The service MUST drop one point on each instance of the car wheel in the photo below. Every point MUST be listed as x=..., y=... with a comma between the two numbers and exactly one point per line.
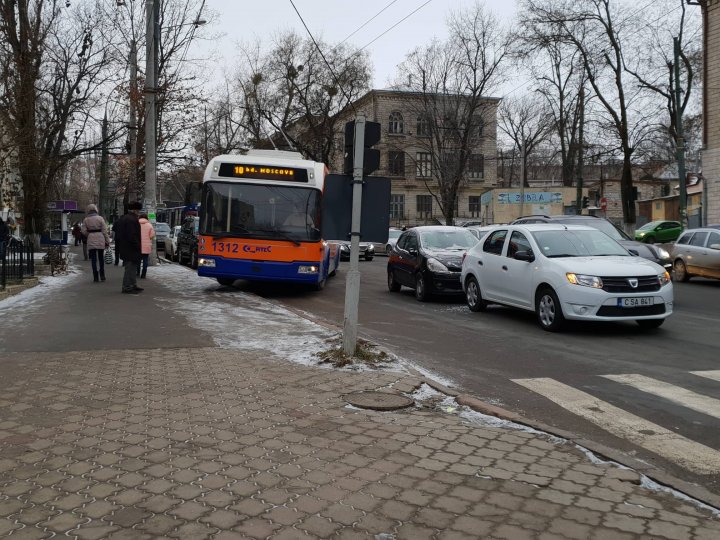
x=421, y=292
x=650, y=323
x=393, y=284
x=649, y=240
x=227, y=282
x=680, y=271
x=473, y=296
x=193, y=259
x=388, y=250
x=548, y=310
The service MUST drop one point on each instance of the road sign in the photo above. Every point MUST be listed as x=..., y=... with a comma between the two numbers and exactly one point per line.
x=603, y=204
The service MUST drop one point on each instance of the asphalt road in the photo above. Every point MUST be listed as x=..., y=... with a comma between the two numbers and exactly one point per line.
x=496, y=354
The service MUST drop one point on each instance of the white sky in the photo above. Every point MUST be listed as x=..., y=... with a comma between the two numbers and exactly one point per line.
x=335, y=20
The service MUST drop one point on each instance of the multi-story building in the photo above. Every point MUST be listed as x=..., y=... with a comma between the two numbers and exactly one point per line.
x=406, y=158
x=711, y=105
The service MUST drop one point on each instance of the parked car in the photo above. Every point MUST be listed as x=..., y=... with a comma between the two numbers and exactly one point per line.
x=659, y=231
x=428, y=259
x=386, y=248
x=652, y=253
x=170, y=243
x=162, y=230
x=367, y=250
x=187, y=241
x=479, y=230
x=565, y=272
x=697, y=253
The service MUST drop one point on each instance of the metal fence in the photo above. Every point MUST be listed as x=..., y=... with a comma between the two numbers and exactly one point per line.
x=16, y=261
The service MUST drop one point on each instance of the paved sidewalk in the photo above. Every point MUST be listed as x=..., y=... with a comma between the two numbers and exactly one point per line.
x=216, y=443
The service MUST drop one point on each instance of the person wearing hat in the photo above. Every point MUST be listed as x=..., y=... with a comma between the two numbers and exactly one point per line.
x=128, y=244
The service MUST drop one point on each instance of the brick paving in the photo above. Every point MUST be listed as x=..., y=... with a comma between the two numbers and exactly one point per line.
x=214, y=443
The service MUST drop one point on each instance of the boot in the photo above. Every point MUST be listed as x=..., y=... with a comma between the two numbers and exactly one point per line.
x=102, y=276
x=95, y=276
x=142, y=275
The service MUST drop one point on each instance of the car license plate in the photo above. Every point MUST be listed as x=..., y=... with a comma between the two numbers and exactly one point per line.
x=640, y=301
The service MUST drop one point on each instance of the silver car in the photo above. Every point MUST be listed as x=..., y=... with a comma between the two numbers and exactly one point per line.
x=385, y=248
x=697, y=253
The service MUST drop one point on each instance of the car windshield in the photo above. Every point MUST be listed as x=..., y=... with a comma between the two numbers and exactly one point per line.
x=162, y=227
x=649, y=226
x=258, y=211
x=458, y=239
x=394, y=234
x=581, y=243
x=600, y=224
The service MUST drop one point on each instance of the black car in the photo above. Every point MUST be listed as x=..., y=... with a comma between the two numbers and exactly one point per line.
x=651, y=252
x=429, y=260
x=187, y=241
x=367, y=250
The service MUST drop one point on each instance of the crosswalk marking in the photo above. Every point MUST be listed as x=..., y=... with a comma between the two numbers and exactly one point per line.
x=714, y=375
x=681, y=396
x=686, y=453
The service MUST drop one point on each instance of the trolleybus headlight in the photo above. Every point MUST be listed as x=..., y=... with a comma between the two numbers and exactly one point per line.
x=208, y=263
x=308, y=269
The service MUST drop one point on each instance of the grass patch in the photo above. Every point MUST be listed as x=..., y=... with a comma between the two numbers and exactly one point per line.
x=366, y=354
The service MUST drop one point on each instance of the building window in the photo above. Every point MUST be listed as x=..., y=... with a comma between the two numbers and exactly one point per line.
x=397, y=207
x=423, y=126
x=480, y=123
x=424, y=206
x=474, y=206
x=658, y=206
x=396, y=123
x=476, y=166
x=423, y=162
x=396, y=163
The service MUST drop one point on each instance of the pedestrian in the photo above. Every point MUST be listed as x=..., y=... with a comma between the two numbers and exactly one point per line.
x=95, y=231
x=114, y=237
x=77, y=233
x=128, y=242
x=147, y=233
x=4, y=237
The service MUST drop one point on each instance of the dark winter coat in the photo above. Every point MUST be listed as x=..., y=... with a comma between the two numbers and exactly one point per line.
x=127, y=237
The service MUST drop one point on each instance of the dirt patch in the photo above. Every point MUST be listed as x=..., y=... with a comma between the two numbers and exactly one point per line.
x=366, y=354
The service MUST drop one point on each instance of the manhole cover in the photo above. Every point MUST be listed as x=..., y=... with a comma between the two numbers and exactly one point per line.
x=379, y=401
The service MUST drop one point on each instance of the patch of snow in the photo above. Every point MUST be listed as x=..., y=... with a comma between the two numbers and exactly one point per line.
x=425, y=393
x=654, y=486
x=34, y=299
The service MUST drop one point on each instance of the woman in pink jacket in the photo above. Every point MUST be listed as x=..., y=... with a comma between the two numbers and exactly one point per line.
x=147, y=233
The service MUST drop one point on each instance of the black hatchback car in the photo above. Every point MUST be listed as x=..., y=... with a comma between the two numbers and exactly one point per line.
x=429, y=259
x=187, y=241
x=651, y=252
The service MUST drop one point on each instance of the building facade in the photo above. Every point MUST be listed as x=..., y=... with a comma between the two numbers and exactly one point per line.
x=711, y=106
x=405, y=159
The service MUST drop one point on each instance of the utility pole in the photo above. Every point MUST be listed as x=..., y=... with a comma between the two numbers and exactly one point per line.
x=152, y=37
x=352, y=283
x=103, y=202
x=522, y=178
x=581, y=148
x=131, y=194
x=679, y=140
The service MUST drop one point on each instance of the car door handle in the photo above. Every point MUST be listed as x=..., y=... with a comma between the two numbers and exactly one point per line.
x=504, y=267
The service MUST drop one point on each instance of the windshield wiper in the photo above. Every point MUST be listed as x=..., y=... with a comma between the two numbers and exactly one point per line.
x=560, y=255
x=281, y=235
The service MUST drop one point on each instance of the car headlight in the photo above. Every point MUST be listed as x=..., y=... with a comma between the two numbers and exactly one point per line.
x=371, y=247
x=663, y=253
x=664, y=279
x=641, y=234
x=436, y=266
x=343, y=247
x=586, y=281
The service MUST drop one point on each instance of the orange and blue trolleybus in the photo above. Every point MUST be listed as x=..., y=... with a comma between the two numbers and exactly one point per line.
x=260, y=220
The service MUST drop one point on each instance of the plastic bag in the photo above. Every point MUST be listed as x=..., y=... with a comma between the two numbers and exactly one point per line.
x=109, y=257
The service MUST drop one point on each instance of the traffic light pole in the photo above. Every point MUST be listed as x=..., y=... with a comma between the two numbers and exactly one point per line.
x=352, y=283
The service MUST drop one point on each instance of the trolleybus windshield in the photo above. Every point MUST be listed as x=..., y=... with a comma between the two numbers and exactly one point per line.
x=261, y=211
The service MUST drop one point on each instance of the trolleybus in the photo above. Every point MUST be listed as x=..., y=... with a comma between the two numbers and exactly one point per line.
x=260, y=219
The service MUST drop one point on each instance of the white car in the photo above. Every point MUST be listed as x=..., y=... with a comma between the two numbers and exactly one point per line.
x=565, y=272
x=171, y=243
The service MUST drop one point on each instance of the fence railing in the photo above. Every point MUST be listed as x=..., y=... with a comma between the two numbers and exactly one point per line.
x=16, y=261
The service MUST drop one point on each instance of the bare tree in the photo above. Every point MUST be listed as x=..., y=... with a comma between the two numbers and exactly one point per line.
x=451, y=81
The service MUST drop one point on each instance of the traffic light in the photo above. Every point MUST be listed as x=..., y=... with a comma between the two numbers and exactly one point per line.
x=585, y=202
x=371, y=156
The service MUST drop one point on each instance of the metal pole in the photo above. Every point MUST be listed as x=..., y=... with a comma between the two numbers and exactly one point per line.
x=581, y=138
x=132, y=124
x=680, y=142
x=352, y=284
x=151, y=38
x=522, y=178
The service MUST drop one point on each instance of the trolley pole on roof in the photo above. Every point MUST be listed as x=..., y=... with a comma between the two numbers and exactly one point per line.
x=352, y=284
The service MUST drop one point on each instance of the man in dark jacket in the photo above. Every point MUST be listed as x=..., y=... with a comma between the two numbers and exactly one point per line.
x=127, y=243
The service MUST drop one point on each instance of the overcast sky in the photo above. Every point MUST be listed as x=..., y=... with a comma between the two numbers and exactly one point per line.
x=335, y=20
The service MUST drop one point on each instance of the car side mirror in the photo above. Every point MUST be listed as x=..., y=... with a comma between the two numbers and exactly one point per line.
x=525, y=255
x=634, y=252
x=714, y=246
